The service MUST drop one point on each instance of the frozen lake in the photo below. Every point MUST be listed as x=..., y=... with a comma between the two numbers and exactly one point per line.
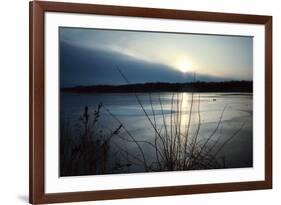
x=224, y=120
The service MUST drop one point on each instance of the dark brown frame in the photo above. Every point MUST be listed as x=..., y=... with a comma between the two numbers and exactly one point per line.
x=36, y=129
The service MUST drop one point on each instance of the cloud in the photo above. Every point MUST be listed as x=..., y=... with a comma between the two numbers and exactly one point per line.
x=92, y=66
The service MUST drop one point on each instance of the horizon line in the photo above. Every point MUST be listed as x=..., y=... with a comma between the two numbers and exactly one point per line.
x=157, y=82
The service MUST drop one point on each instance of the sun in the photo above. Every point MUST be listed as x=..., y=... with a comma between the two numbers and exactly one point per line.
x=184, y=65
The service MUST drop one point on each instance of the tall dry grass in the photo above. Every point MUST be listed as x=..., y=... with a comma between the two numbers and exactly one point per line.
x=87, y=152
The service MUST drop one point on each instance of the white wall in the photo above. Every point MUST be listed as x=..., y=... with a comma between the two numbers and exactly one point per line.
x=14, y=100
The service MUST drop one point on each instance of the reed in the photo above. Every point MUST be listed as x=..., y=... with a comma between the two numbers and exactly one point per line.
x=87, y=152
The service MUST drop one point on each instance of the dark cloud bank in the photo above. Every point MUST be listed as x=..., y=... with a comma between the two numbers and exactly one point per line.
x=84, y=66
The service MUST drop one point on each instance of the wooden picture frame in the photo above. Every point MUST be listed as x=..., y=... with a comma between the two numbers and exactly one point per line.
x=38, y=9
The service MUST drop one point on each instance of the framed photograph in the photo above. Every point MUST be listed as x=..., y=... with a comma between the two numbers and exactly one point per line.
x=139, y=102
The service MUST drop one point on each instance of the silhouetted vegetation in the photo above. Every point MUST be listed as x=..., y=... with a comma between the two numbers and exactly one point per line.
x=86, y=153
x=229, y=86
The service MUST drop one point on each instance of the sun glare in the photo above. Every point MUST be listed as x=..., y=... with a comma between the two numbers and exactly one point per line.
x=184, y=65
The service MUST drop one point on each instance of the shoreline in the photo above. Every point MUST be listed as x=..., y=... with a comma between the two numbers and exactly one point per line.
x=204, y=87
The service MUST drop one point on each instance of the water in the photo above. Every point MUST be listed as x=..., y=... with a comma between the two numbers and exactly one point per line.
x=223, y=114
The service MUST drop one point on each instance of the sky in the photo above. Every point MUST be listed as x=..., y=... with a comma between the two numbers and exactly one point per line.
x=92, y=56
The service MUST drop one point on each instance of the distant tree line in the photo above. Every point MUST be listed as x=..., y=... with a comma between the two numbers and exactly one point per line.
x=227, y=86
